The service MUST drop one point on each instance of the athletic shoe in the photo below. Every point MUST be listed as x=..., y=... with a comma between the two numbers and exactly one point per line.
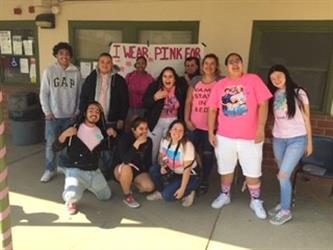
x=130, y=201
x=257, y=207
x=47, y=176
x=154, y=196
x=281, y=217
x=220, y=201
x=71, y=208
x=61, y=170
x=203, y=189
x=188, y=200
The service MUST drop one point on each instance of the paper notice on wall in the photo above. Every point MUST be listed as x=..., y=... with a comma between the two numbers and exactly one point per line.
x=5, y=42
x=24, y=65
x=28, y=48
x=17, y=45
x=85, y=68
x=33, y=76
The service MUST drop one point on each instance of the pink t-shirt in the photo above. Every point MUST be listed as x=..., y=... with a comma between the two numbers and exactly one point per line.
x=237, y=102
x=199, y=110
x=284, y=127
x=137, y=86
x=171, y=105
x=90, y=136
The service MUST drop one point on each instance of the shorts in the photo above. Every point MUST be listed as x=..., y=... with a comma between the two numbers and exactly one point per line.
x=249, y=154
x=135, y=170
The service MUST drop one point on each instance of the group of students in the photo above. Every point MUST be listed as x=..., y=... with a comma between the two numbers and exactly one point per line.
x=163, y=136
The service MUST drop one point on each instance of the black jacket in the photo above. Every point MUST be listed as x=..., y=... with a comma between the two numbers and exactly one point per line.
x=154, y=108
x=78, y=155
x=119, y=96
x=127, y=153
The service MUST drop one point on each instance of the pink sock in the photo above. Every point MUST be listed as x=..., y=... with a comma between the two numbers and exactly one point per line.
x=225, y=188
x=254, y=191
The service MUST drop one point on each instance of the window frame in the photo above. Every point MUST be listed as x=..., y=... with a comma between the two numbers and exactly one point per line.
x=130, y=30
x=22, y=24
x=259, y=27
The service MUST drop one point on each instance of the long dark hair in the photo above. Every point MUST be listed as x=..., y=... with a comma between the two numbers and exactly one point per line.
x=160, y=77
x=184, y=139
x=292, y=90
x=101, y=123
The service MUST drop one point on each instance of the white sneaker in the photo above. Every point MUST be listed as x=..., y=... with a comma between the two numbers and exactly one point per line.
x=61, y=170
x=257, y=207
x=154, y=196
x=220, y=201
x=188, y=200
x=47, y=176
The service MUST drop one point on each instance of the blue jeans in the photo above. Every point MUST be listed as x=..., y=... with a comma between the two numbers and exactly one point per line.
x=77, y=181
x=169, y=190
x=53, y=128
x=107, y=157
x=201, y=143
x=287, y=153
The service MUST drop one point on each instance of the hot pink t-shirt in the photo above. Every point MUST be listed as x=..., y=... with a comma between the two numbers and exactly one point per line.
x=199, y=110
x=237, y=102
x=137, y=86
x=90, y=136
x=284, y=127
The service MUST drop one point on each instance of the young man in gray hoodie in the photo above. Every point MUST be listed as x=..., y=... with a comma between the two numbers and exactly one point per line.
x=59, y=96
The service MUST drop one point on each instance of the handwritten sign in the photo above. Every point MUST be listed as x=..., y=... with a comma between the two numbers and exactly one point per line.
x=157, y=55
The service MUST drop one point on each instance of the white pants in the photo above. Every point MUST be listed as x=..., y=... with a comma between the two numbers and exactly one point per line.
x=77, y=181
x=249, y=154
x=158, y=133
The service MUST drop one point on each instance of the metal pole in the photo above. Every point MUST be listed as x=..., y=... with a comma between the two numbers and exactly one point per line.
x=5, y=226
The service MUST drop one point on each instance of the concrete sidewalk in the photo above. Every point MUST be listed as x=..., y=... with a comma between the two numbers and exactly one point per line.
x=39, y=220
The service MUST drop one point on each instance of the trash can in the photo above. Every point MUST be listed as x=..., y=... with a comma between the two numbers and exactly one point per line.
x=26, y=118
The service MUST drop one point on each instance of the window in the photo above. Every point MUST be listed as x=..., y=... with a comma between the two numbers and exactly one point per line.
x=165, y=37
x=18, y=52
x=93, y=42
x=305, y=48
x=90, y=38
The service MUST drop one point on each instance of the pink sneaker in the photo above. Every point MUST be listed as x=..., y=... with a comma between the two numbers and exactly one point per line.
x=71, y=208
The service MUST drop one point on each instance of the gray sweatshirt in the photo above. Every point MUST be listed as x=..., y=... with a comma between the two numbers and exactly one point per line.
x=60, y=91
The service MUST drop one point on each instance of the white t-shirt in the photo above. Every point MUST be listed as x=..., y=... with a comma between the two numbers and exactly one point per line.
x=176, y=159
x=283, y=126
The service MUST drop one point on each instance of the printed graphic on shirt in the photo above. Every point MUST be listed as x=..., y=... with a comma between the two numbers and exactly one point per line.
x=234, y=101
x=173, y=158
x=171, y=105
x=57, y=82
x=280, y=105
x=201, y=95
x=99, y=136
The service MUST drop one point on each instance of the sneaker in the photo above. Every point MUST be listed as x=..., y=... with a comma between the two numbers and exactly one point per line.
x=274, y=210
x=257, y=207
x=130, y=201
x=203, y=189
x=61, y=170
x=71, y=208
x=154, y=196
x=281, y=217
x=188, y=200
x=47, y=176
x=220, y=201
